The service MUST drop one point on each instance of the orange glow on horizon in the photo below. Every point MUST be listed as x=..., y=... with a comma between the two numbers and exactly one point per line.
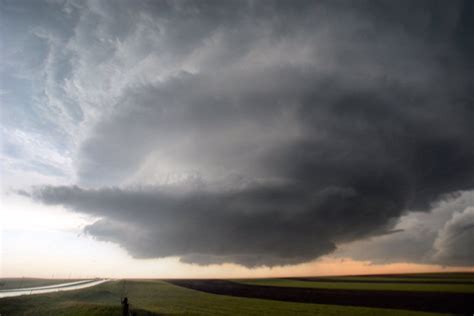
x=172, y=268
x=328, y=266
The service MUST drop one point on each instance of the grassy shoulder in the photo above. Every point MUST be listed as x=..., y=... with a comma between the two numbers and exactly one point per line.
x=447, y=288
x=153, y=297
x=19, y=283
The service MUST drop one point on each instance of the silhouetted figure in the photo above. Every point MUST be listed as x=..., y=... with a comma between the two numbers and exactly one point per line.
x=125, y=307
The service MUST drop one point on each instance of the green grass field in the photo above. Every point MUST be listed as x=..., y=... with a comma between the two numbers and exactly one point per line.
x=436, y=275
x=458, y=288
x=18, y=283
x=153, y=297
x=391, y=279
x=443, y=277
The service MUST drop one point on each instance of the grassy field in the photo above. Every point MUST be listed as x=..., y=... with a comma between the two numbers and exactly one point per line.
x=153, y=297
x=439, y=277
x=448, y=288
x=436, y=275
x=391, y=279
x=18, y=283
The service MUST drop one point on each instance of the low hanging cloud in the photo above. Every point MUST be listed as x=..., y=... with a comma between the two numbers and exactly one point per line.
x=454, y=243
x=443, y=236
x=287, y=130
x=254, y=225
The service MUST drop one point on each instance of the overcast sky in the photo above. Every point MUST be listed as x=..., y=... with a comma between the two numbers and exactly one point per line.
x=249, y=135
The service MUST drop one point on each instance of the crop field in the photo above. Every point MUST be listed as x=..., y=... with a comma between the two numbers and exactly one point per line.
x=389, y=280
x=242, y=297
x=361, y=285
x=437, y=278
x=434, y=275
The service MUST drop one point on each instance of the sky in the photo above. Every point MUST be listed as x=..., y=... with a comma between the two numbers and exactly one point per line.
x=236, y=138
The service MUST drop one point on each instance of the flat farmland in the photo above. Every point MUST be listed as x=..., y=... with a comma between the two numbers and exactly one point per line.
x=402, y=299
x=431, y=286
x=425, y=278
x=358, y=295
x=157, y=297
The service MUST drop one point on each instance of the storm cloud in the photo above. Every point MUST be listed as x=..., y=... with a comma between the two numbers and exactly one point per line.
x=441, y=236
x=268, y=133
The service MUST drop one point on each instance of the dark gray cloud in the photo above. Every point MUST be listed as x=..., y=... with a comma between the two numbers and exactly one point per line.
x=253, y=225
x=302, y=126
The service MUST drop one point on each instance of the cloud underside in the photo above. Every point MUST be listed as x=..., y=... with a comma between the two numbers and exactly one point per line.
x=267, y=134
x=442, y=236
